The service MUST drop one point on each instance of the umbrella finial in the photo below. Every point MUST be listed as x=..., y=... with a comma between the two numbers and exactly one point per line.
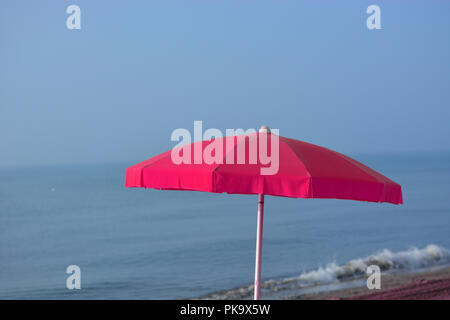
x=264, y=128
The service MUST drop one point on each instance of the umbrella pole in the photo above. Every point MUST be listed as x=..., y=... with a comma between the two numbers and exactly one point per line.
x=259, y=236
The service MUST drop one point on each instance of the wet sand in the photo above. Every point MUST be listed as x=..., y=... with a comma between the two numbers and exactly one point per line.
x=433, y=285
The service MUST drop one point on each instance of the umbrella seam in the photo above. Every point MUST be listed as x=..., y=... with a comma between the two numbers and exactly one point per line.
x=310, y=183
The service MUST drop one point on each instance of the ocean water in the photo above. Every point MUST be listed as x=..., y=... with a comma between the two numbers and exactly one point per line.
x=150, y=244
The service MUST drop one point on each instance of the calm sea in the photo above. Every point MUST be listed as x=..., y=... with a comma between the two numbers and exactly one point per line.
x=149, y=244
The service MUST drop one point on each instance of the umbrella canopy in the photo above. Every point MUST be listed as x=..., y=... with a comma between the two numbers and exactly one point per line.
x=305, y=171
x=265, y=164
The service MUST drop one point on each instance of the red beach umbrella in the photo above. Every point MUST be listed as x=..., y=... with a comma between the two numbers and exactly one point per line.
x=297, y=169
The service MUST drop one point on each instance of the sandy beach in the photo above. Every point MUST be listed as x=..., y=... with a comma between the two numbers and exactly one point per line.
x=433, y=285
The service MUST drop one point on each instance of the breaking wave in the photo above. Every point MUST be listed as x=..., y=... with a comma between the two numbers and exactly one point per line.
x=388, y=261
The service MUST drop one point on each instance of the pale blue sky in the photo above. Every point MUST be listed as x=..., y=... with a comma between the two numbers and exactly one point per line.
x=116, y=89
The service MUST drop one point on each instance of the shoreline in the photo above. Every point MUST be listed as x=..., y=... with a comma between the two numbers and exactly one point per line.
x=427, y=285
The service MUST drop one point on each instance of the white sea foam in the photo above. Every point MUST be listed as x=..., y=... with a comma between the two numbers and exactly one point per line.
x=408, y=260
x=387, y=260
